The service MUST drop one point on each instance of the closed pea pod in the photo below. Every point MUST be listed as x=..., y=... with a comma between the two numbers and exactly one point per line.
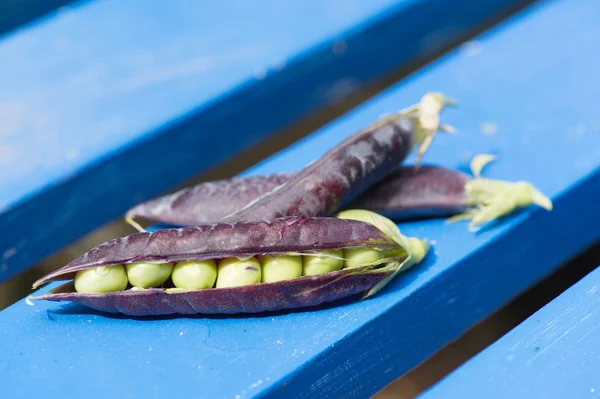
x=207, y=202
x=321, y=187
x=352, y=166
x=282, y=237
x=405, y=194
x=437, y=192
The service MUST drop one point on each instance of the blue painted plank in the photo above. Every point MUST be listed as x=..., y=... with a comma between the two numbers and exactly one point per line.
x=537, y=88
x=555, y=353
x=113, y=102
x=15, y=13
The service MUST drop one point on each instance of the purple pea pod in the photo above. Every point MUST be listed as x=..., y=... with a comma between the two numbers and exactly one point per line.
x=409, y=194
x=290, y=236
x=351, y=167
x=321, y=188
x=207, y=202
x=436, y=192
x=406, y=193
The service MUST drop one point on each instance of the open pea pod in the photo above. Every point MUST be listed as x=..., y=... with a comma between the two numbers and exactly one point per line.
x=306, y=237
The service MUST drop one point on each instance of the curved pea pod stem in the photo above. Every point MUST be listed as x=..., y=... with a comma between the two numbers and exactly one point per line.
x=427, y=113
x=490, y=199
x=283, y=236
x=352, y=166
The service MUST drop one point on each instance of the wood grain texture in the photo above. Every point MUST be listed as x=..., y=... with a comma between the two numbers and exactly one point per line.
x=537, y=87
x=110, y=103
x=555, y=353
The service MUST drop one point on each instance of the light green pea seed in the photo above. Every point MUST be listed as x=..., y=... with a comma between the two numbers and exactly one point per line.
x=356, y=257
x=146, y=275
x=195, y=275
x=279, y=268
x=233, y=272
x=314, y=265
x=101, y=279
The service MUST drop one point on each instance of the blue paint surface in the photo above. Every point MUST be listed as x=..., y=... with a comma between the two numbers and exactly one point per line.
x=555, y=353
x=110, y=103
x=538, y=88
x=84, y=97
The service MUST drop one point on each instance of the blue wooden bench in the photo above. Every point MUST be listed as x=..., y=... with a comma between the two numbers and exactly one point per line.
x=150, y=103
x=97, y=119
x=553, y=354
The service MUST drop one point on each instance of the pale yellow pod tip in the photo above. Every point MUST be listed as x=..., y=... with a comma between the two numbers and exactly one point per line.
x=479, y=162
x=491, y=199
x=436, y=100
x=428, y=115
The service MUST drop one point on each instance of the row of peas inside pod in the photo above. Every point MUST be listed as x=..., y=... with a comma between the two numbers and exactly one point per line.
x=235, y=272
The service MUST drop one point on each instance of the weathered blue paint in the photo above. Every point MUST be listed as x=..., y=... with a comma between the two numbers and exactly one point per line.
x=538, y=88
x=555, y=353
x=112, y=102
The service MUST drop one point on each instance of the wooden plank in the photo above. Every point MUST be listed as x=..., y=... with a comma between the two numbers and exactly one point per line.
x=555, y=353
x=113, y=102
x=536, y=87
x=15, y=13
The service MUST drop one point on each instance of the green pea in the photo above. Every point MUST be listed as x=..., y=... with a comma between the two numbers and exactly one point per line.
x=314, y=265
x=357, y=257
x=233, y=272
x=195, y=274
x=279, y=268
x=101, y=279
x=146, y=275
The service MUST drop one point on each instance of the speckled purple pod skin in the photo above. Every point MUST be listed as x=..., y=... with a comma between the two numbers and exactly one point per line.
x=404, y=194
x=290, y=234
x=337, y=177
x=208, y=202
